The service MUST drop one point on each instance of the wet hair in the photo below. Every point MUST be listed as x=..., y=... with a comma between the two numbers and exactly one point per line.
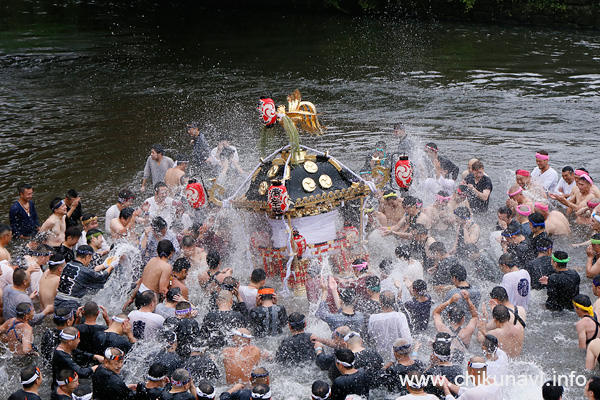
x=82, y=390
x=561, y=255
x=551, y=390
x=124, y=194
x=345, y=355
x=72, y=194
x=159, y=185
x=402, y=251
x=259, y=375
x=437, y=247
x=432, y=145
x=23, y=309
x=594, y=386
x=229, y=283
x=65, y=374
x=386, y=266
x=258, y=275
x=90, y=309
x=158, y=224
x=459, y=272
x=477, y=165
x=146, y=298
x=165, y=248
x=171, y=293
x=419, y=286
x=501, y=313
x=470, y=248
x=409, y=201
x=583, y=299
x=490, y=342
x=348, y=296
x=27, y=373
x=499, y=293
x=183, y=305
x=22, y=188
x=180, y=264
x=69, y=330
x=596, y=236
x=596, y=280
x=126, y=213
x=84, y=250
x=205, y=387
x=91, y=233
x=387, y=299
x=188, y=241
x=56, y=258
x=73, y=232
x=261, y=389
x=213, y=259
x=506, y=211
x=158, y=148
x=455, y=313
x=444, y=193
x=507, y=259
x=4, y=229
x=62, y=315
x=181, y=375
x=544, y=243
x=373, y=283
x=462, y=212
x=536, y=218
x=87, y=216
x=320, y=389
x=54, y=203
x=420, y=229
x=568, y=168
x=19, y=276
x=442, y=347
x=157, y=370
x=266, y=296
x=297, y=321
x=361, y=261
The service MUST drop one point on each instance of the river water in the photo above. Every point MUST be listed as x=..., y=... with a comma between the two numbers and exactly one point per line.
x=86, y=88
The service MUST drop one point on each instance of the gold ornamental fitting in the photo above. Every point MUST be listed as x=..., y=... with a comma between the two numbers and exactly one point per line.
x=309, y=184
x=310, y=167
x=263, y=187
x=325, y=181
x=273, y=171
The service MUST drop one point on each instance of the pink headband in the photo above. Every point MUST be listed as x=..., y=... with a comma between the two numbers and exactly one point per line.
x=579, y=172
x=592, y=205
x=519, y=190
x=360, y=266
x=524, y=210
x=442, y=198
x=541, y=206
x=522, y=172
x=587, y=178
x=541, y=156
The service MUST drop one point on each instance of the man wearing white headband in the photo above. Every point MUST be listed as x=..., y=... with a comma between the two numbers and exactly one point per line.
x=485, y=387
x=63, y=357
x=118, y=335
x=31, y=379
x=241, y=358
x=157, y=378
x=50, y=278
x=106, y=382
x=415, y=387
x=56, y=225
x=67, y=382
x=352, y=380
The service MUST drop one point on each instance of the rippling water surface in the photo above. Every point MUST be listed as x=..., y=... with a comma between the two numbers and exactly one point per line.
x=86, y=88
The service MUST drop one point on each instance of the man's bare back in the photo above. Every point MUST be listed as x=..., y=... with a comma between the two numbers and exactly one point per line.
x=156, y=275
x=510, y=338
x=48, y=287
x=557, y=224
x=239, y=363
x=56, y=227
x=173, y=178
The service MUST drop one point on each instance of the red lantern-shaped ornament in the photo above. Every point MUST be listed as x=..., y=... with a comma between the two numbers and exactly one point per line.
x=403, y=172
x=300, y=243
x=278, y=198
x=195, y=195
x=267, y=110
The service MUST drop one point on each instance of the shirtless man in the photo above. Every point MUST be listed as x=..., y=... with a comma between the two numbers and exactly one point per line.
x=412, y=207
x=578, y=199
x=588, y=326
x=467, y=231
x=35, y=261
x=5, y=237
x=510, y=336
x=516, y=197
x=518, y=314
x=461, y=335
x=523, y=178
x=390, y=209
x=242, y=358
x=459, y=198
x=439, y=213
x=122, y=226
x=55, y=224
x=180, y=271
x=592, y=267
x=50, y=280
x=17, y=332
x=212, y=279
x=176, y=177
x=556, y=222
x=157, y=272
x=194, y=254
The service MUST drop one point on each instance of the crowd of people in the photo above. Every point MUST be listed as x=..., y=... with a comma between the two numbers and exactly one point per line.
x=376, y=316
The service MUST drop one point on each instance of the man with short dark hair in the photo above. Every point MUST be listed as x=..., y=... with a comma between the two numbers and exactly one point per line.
x=17, y=293
x=157, y=165
x=31, y=379
x=5, y=237
x=258, y=278
x=592, y=388
x=352, y=380
x=298, y=348
x=552, y=391
x=510, y=336
x=145, y=322
x=441, y=163
x=124, y=199
x=480, y=188
x=387, y=326
x=566, y=182
x=517, y=282
x=67, y=382
x=158, y=231
x=106, y=382
x=161, y=204
x=68, y=356
x=562, y=285
x=542, y=265
x=67, y=248
x=56, y=224
x=89, y=327
x=73, y=202
x=24, y=220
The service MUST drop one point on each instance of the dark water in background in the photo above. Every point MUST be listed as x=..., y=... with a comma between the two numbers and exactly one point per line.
x=86, y=88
